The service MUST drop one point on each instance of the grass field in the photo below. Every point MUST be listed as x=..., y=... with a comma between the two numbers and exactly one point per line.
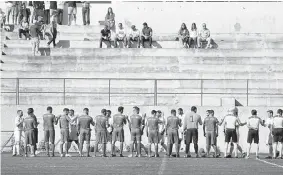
x=116, y=165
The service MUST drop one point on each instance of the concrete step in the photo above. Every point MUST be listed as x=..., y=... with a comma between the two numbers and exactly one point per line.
x=148, y=52
x=149, y=75
x=156, y=44
x=138, y=68
x=118, y=59
x=144, y=100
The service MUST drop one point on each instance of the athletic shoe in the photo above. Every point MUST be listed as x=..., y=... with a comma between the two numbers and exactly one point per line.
x=14, y=155
x=229, y=156
x=61, y=155
x=139, y=155
x=103, y=155
x=247, y=157
x=187, y=156
x=279, y=157
x=257, y=157
x=244, y=155
x=197, y=156
x=26, y=155
x=121, y=155
x=68, y=155
x=48, y=155
x=20, y=155
x=32, y=155
x=177, y=155
x=156, y=155
x=268, y=157
x=130, y=155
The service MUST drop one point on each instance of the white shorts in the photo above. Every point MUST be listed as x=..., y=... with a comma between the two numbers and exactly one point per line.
x=18, y=136
x=72, y=10
x=180, y=133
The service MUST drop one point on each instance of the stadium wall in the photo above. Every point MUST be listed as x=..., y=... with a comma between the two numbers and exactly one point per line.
x=8, y=114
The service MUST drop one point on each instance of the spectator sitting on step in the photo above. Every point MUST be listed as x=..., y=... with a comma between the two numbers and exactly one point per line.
x=53, y=29
x=110, y=19
x=23, y=13
x=35, y=34
x=193, y=35
x=120, y=35
x=204, y=35
x=24, y=28
x=184, y=35
x=105, y=36
x=72, y=10
x=146, y=35
x=134, y=35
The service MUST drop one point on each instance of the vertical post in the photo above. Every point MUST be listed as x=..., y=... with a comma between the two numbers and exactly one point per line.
x=247, y=92
x=109, y=92
x=64, y=91
x=201, y=92
x=155, y=92
x=17, y=91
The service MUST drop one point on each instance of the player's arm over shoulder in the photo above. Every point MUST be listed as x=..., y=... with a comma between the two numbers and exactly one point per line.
x=199, y=120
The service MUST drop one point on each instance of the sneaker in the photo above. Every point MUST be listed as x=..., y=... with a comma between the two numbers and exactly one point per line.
x=229, y=156
x=20, y=155
x=26, y=155
x=28, y=38
x=103, y=155
x=268, y=157
x=178, y=155
x=121, y=155
x=197, y=156
x=68, y=155
x=139, y=155
x=48, y=155
x=257, y=157
x=33, y=155
x=247, y=157
x=14, y=155
x=244, y=155
x=187, y=156
x=61, y=155
x=156, y=155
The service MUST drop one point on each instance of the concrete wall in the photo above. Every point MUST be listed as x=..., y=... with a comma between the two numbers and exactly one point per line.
x=8, y=113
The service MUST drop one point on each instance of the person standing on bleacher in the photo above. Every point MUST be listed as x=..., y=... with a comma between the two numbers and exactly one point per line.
x=85, y=12
x=35, y=34
x=146, y=35
x=60, y=11
x=72, y=10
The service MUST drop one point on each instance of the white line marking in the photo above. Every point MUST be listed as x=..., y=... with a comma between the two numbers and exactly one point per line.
x=273, y=164
x=162, y=166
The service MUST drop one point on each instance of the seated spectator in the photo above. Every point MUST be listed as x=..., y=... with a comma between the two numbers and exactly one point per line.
x=110, y=19
x=193, y=35
x=23, y=13
x=146, y=35
x=2, y=18
x=204, y=35
x=53, y=30
x=72, y=10
x=120, y=35
x=184, y=35
x=53, y=9
x=38, y=10
x=85, y=12
x=134, y=35
x=60, y=10
x=35, y=33
x=24, y=28
x=105, y=36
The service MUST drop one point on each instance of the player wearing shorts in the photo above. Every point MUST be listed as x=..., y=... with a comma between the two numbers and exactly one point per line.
x=109, y=129
x=152, y=126
x=64, y=123
x=172, y=127
x=101, y=125
x=277, y=132
x=118, y=122
x=29, y=125
x=269, y=138
x=18, y=133
x=253, y=125
x=210, y=131
x=190, y=126
x=73, y=137
x=72, y=10
x=136, y=128
x=161, y=132
x=48, y=128
x=35, y=129
x=84, y=130
x=181, y=116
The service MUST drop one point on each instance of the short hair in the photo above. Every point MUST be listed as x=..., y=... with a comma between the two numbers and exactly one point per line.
x=208, y=111
x=136, y=108
x=103, y=111
x=153, y=112
x=254, y=112
x=158, y=111
x=173, y=111
x=72, y=110
x=86, y=109
x=270, y=111
x=30, y=110
x=193, y=108
x=120, y=109
x=49, y=108
x=109, y=111
x=120, y=23
x=212, y=111
x=18, y=111
x=279, y=111
x=145, y=24
x=66, y=110
x=180, y=109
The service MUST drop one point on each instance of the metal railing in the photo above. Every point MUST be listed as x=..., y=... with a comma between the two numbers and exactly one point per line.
x=245, y=90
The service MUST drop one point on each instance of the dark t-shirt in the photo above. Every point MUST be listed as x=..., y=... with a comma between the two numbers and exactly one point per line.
x=136, y=121
x=53, y=5
x=101, y=123
x=72, y=4
x=64, y=121
x=118, y=120
x=147, y=31
x=34, y=30
x=173, y=123
x=38, y=4
x=105, y=32
x=84, y=122
x=152, y=123
x=48, y=122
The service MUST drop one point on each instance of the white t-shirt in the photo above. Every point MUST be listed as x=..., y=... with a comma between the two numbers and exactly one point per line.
x=277, y=122
x=121, y=32
x=268, y=122
x=193, y=33
x=254, y=122
x=231, y=121
x=60, y=4
x=135, y=33
x=17, y=121
x=47, y=5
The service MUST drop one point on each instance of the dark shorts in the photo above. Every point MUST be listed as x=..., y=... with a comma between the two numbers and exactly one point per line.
x=191, y=135
x=101, y=136
x=36, y=135
x=153, y=136
x=161, y=137
x=85, y=135
x=231, y=133
x=118, y=135
x=64, y=135
x=277, y=135
x=49, y=136
x=173, y=136
x=253, y=136
x=74, y=133
x=136, y=134
x=109, y=136
x=210, y=138
x=29, y=137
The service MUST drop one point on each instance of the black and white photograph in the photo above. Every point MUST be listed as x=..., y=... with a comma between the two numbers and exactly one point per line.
x=141, y=87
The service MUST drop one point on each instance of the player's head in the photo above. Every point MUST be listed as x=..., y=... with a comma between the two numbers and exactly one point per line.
x=194, y=109
x=49, y=109
x=233, y=111
x=136, y=110
x=86, y=111
x=207, y=113
x=121, y=109
x=153, y=113
x=254, y=112
x=108, y=113
x=173, y=112
x=211, y=112
x=103, y=112
x=180, y=111
x=66, y=111
x=204, y=26
x=30, y=111
x=158, y=113
x=145, y=25
x=120, y=25
x=279, y=111
x=270, y=113
x=20, y=113
x=72, y=112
